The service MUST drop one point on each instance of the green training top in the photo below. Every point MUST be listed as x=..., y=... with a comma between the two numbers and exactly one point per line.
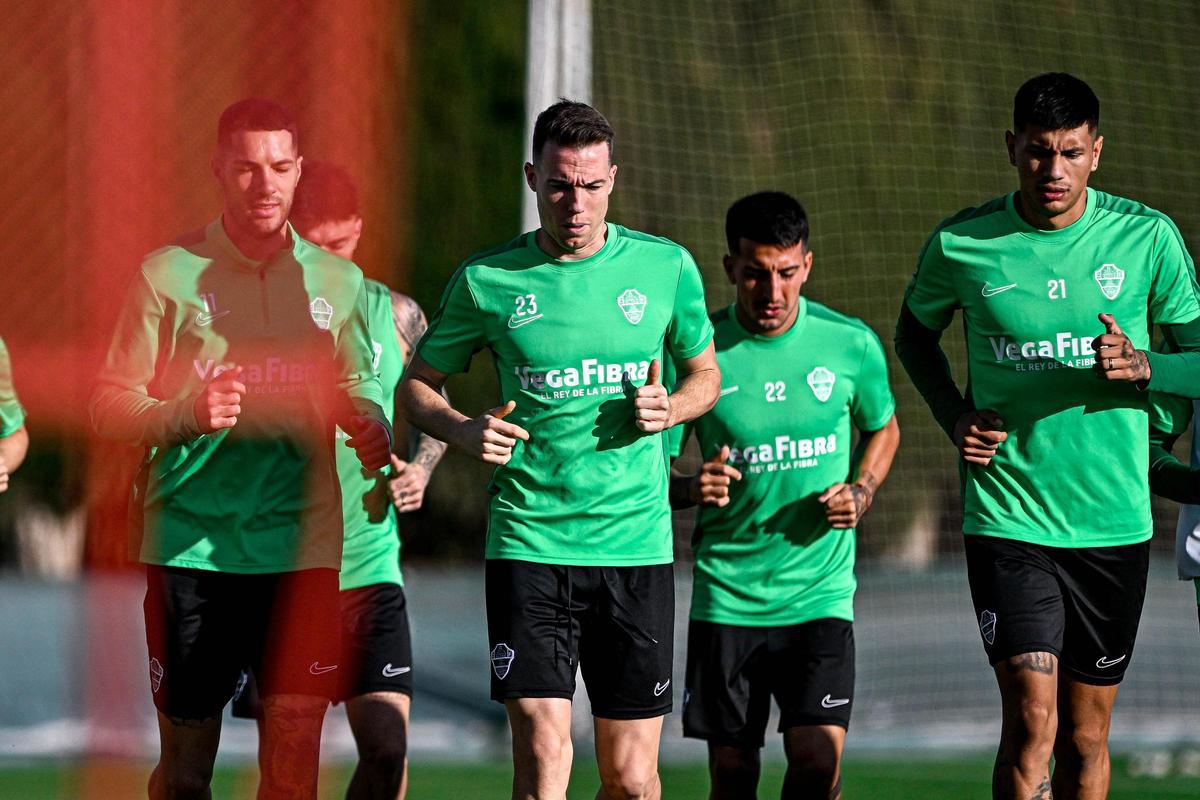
x=570, y=340
x=787, y=402
x=371, y=553
x=1029, y=300
x=12, y=415
x=261, y=496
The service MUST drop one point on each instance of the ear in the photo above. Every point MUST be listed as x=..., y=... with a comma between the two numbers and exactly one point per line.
x=299, y=163
x=1010, y=142
x=530, y=177
x=730, y=265
x=1096, y=148
x=357, y=226
x=806, y=267
x=612, y=178
x=215, y=165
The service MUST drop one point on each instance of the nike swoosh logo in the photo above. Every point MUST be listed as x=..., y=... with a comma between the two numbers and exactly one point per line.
x=317, y=669
x=730, y=390
x=390, y=672
x=203, y=319
x=516, y=323
x=829, y=702
x=659, y=688
x=993, y=291
x=1104, y=663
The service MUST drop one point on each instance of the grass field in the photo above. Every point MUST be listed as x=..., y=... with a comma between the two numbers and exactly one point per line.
x=865, y=780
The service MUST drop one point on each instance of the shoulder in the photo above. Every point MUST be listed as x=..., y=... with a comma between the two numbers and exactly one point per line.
x=972, y=217
x=1113, y=209
x=313, y=257
x=853, y=333
x=498, y=256
x=649, y=244
x=190, y=249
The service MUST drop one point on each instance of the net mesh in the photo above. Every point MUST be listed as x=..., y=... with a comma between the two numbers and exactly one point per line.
x=884, y=118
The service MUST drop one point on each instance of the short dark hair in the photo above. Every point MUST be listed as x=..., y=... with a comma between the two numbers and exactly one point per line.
x=767, y=218
x=256, y=114
x=569, y=123
x=1055, y=101
x=325, y=192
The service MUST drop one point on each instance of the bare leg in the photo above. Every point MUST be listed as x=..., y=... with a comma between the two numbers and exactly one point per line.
x=541, y=731
x=291, y=746
x=1028, y=693
x=188, y=749
x=627, y=754
x=379, y=721
x=814, y=755
x=733, y=772
x=1081, y=765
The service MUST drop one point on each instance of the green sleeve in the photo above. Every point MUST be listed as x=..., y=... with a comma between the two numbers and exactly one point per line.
x=1178, y=371
x=121, y=407
x=455, y=332
x=690, y=330
x=12, y=415
x=1173, y=290
x=1169, y=477
x=926, y=364
x=355, y=357
x=872, y=404
x=931, y=295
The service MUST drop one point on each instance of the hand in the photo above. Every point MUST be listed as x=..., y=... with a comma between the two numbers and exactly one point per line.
x=845, y=503
x=1116, y=357
x=652, y=405
x=3, y=474
x=710, y=487
x=370, y=440
x=489, y=438
x=977, y=434
x=219, y=404
x=407, y=484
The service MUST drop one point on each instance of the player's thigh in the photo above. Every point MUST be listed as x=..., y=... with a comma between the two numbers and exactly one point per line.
x=811, y=671
x=627, y=642
x=727, y=692
x=379, y=722
x=533, y=628
x=376, y=642
x=627, y=749
x=1104, y=590
x=302, y=650
x=1017, y=596
x=196, y=623
x=188, y=745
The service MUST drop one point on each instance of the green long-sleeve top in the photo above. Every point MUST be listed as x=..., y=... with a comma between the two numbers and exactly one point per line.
x=261, y=496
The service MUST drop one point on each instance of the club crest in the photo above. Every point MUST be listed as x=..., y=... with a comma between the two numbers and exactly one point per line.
x=322, y=312
x=156, y=674
x=502, y=658
x=1110, y=277
x=632, y=304
x=987, y=626
x=821, y=381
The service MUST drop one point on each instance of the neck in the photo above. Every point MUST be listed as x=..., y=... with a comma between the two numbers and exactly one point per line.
x=554, y=250
x=751, y=324
x=255, y=248
x=1056, y=223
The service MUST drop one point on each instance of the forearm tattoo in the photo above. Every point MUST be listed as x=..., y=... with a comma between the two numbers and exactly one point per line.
x=410, y=324
x=863, y=492
x=1139, y=364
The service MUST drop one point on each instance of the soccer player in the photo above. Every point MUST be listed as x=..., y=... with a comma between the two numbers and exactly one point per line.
x=1176, y=481
x=14, y=439
x=1056, y=282
x=579, y=550
x=376, y=661
x=780, y=496
x=237, y=349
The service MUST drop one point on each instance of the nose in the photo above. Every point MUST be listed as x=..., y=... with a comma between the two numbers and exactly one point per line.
x=775, y=287
x=575, y=200
x=1054, y=167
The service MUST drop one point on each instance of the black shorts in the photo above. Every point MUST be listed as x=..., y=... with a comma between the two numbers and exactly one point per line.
x=617, y=624
x=203, y=627
x=1081, y=604
x=376, y=648
x=733, y=670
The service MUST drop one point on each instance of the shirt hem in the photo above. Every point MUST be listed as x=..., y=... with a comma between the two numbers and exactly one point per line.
x=241, y=569
x=1073, y=544
x=576, y=561
x=781, y=622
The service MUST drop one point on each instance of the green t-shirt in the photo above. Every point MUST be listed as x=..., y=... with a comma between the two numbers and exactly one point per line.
x=1029, y=300
x=769, y=557
x=371, y=553
x=12, y=415
x=261, y=496
x=569, y=340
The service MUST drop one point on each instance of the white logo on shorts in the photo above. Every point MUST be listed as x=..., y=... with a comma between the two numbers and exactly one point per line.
x=659, y=688
x=828, y=702
x=502, y=658
x=390, y=672
x=1104, y=662
x=987, y=626
x=316, y=669
x=156, y=674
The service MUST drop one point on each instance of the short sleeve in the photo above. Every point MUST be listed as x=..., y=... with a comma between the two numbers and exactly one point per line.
x=12, y=415
x=456, y=331
x=1173, y=289
x=690, y=330
x=873, y=403
x=931, y=295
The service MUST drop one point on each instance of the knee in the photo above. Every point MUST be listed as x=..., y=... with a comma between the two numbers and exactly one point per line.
x=629, y=781
x=817, y=772
x=733, y=768
x=181, y=782
x=1038, y=722
x=548, y=747
x=384, y=756
x=1089, y=742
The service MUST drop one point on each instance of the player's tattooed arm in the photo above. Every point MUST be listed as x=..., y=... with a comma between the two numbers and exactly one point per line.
x=409, y=478
x=845, y=503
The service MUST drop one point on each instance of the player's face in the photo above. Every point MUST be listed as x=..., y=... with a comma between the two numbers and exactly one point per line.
x=768, y=278
x=257, y=172
x=1053, y=168
x=338, y=236
x=572, y=186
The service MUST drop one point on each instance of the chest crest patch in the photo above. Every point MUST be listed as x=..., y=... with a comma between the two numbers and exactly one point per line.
x=632, y=304
x=821, y=381
x=322, y=312
x=1110, y=277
